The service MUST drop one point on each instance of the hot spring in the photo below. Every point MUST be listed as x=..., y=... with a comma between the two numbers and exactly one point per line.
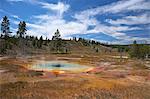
x=60, y=66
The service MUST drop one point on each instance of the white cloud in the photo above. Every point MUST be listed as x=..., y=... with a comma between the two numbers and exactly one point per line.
x=115, y=8
x=121, y=6
x=131, y=20
x=16, y=22
x=126, y=5
x=23, y=1
x=10, y=14
x=47, y=24
x=143, y=5
x=48, y=27
x=15, y=16
x=60, y=7
x=1, y=20
x=114, y=31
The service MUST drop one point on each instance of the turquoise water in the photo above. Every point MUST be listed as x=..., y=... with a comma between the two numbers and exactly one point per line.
x=59, y=65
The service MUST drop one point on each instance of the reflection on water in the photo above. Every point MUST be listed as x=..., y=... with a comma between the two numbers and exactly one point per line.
x=59, y=65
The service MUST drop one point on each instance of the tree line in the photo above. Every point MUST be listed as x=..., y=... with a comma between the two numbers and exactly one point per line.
x=57, y=44
x=21, y=39
x=7, y=41
x=140, y=51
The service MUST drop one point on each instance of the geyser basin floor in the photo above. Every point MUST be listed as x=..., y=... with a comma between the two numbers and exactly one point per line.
x=60, y=66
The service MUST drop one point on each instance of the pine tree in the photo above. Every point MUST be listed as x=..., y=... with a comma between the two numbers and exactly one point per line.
x=21, y=29
x=35, y=42
x=134, y=51
x=56, y=36
x=5, y=27
x=21, y=35
x=5, y=34
x=74, y=38
x=58, y=43
x=40, y=42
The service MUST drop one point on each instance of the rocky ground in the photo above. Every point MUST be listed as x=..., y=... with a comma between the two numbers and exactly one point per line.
x=110, y=78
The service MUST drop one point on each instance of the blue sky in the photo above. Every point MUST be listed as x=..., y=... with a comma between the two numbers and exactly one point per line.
x=112, y=21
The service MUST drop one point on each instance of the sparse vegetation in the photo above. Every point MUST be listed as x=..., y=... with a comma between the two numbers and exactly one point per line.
x=113, y=75
x=139, y=51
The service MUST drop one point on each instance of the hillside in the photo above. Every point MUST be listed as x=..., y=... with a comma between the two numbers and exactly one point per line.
x=26, y=46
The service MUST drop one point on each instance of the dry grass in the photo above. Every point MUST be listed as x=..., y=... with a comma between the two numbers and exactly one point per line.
x=125, y=80
x=81, y=88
